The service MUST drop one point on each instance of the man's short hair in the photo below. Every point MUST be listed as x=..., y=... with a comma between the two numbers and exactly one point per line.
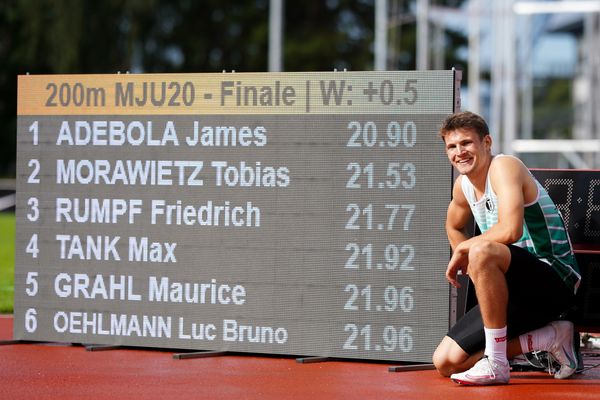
x=465, y=120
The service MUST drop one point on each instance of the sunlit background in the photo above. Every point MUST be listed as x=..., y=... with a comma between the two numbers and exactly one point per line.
x=531, y=68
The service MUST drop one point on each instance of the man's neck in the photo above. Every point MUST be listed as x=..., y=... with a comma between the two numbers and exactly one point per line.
x=478, y=178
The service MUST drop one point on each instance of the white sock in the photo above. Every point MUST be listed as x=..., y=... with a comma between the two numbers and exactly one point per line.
x=495, y=344
x=538, y=340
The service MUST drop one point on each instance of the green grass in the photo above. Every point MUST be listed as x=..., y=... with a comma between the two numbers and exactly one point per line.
x=7, y=262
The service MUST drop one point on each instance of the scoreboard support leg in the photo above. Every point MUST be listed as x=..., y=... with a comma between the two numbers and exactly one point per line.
x=101, y=347
x=9, y=342
x=198, y=354
x=415, y=367
x=312, y=360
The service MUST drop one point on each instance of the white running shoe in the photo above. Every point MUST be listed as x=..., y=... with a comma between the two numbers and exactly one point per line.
x=485, y=372
x=562, y=349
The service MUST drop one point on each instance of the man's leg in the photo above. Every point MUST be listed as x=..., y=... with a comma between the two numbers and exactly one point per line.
x=530, y=308
x=557, y=339
x=449, y=358
x=488, y=264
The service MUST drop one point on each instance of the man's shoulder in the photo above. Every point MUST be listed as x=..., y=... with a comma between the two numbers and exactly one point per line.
x=505, y=160
x=458, y=195
x=503, y=165
x=458, y=183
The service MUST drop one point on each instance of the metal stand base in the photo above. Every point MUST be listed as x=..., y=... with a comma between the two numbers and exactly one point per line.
x=7, y=342
x=312, y=360
x=198, y=354
x=415, y=367
x=101, y=347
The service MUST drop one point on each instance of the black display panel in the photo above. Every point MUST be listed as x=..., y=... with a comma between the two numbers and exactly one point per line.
x=577, y=197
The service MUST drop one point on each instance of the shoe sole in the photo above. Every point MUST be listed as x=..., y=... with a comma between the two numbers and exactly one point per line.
x=468, y=383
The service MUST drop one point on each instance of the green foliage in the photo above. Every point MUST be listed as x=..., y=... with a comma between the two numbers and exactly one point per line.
x=553, y=109
x=323, y=35
x=108, y=36
x=7, y=261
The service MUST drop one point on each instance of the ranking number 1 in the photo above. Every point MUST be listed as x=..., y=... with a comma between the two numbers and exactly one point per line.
x=33, y=215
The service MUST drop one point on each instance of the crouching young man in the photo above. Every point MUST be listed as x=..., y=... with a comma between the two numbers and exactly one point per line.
x=522, y=265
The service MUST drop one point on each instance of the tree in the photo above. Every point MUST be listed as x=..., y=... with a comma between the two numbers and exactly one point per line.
x=86, y=36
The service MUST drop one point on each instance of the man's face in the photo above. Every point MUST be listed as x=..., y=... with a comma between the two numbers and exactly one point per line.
x=466, y=151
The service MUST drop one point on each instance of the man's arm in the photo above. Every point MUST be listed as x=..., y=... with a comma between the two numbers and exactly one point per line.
x=458, y=216
x=508, y=178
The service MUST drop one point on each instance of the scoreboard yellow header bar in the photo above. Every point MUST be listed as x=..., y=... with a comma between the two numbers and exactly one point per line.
x=234, y=93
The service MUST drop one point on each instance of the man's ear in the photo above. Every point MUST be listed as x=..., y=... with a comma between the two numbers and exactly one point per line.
x=487, y=140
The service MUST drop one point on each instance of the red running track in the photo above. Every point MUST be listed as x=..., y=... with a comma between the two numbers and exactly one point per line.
x=53, y=371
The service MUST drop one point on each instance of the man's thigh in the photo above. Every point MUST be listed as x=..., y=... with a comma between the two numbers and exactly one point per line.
x=537, y=296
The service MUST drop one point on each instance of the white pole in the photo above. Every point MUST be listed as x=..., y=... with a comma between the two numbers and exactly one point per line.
x=527, y=81
x=275, y=35
x=439, y=55
x=562, y=6
x=510, y=97
x=474, y=52
x=592, y=78
x=422, y=35
x=381, y=28
x=497, y=74
x=596, y=89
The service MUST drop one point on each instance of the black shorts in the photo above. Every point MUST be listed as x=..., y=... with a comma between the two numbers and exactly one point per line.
x=536, y=296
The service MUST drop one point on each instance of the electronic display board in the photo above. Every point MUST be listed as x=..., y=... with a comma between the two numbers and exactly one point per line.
x=280, y=213
x=577, y=197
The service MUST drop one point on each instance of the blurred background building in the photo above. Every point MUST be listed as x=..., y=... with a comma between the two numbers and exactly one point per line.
x=531, y=68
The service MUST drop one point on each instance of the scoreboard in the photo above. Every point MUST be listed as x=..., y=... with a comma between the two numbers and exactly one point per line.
x=279, y=213
x=577, y=197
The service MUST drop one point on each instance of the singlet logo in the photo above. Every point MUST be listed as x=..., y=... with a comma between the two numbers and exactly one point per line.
x=489, y=205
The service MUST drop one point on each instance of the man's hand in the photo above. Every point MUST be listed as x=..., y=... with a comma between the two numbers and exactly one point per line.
x=458, y=262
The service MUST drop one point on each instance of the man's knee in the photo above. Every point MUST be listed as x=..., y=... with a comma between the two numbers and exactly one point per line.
x=481, y=252
x=485, y=254
x=442, y=364
x=449, y=357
